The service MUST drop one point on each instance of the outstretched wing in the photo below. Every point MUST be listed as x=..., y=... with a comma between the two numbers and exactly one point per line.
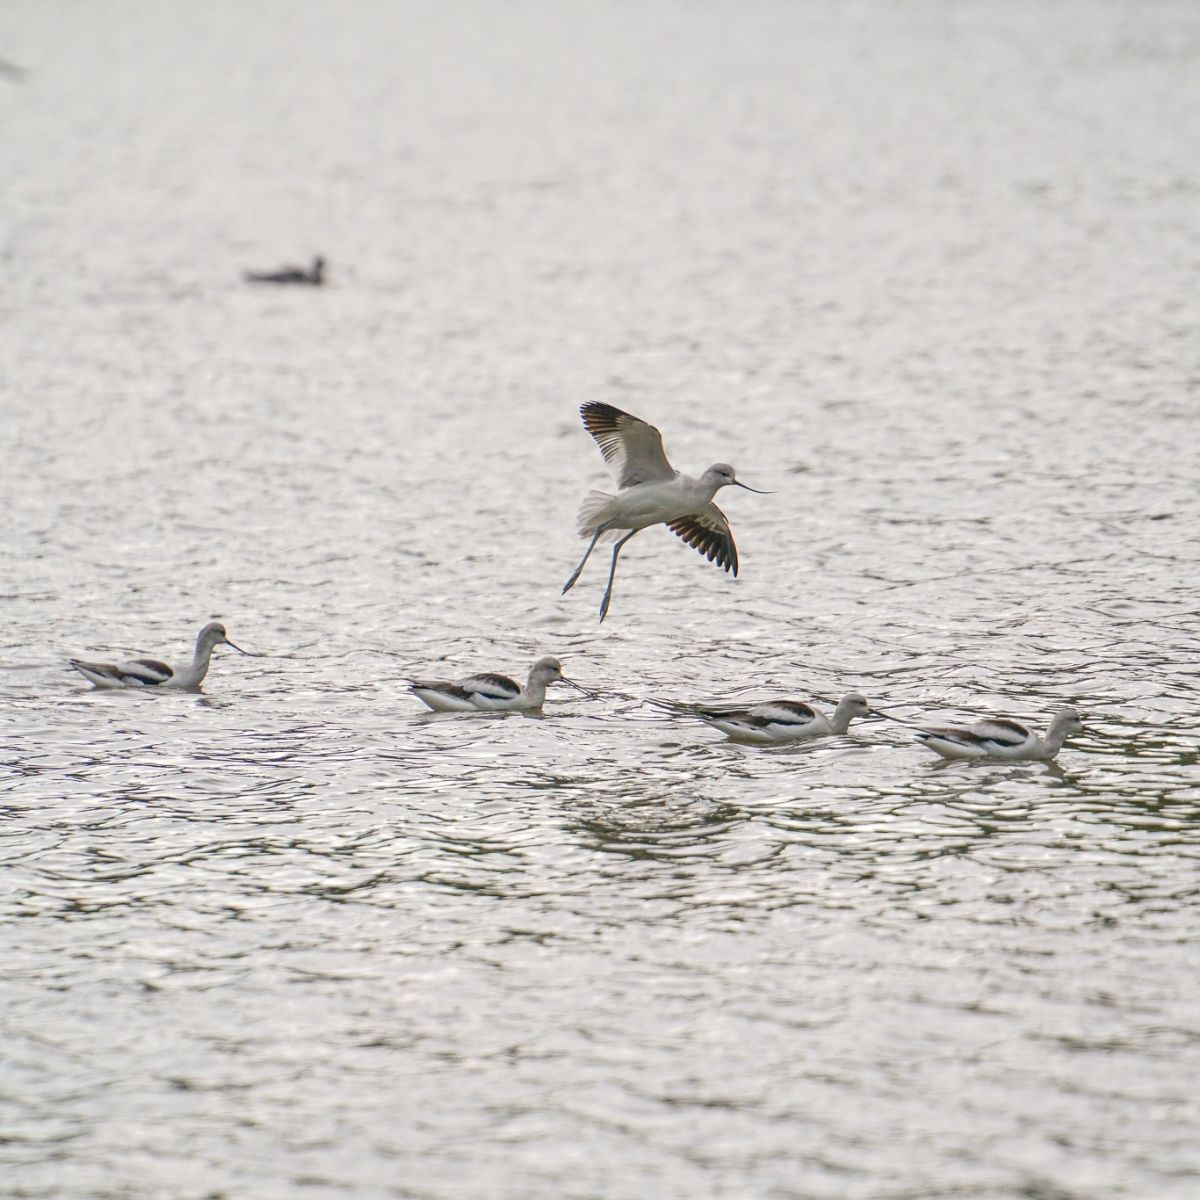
x=709, y=532
x=632, y=447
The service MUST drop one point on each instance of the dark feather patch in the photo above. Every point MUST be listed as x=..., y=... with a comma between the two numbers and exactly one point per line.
x=720, y=714
x=152, y=665
x=945, y=733
x=715, y=544
x=498, y=686
x=774, y=712
x=441, y=686
x=631, y=446
x=144, y=672
x=797, y=713
x=1005, y=733
x=602, y=422
x=147, y=671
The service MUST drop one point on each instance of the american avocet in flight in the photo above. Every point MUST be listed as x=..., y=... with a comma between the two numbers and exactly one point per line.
x=149, y=672
x=1002, y=738
x=491, y=693
x=650, y=492
x=776, y=720
x=314, y=276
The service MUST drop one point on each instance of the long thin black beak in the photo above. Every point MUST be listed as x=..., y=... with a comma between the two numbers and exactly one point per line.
x=247, y=653
x=887, y=716
x=739, y=483
x=577, y=686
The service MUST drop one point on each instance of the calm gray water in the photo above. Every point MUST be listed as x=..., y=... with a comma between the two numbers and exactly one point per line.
x=927, y=271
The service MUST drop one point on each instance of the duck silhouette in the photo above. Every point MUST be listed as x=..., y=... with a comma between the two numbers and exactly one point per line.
x=314, y=276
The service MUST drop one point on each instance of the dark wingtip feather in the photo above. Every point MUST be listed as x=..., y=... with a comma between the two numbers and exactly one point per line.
x=600, y=418
x=715, y=546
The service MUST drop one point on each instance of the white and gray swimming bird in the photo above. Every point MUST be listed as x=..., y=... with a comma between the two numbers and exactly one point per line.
x=776, y=721
x=1002, y=738
x=650, y=492
x=491, y=693
x=150, y=672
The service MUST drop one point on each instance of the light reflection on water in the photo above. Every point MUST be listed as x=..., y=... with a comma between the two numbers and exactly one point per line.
x=928, y=276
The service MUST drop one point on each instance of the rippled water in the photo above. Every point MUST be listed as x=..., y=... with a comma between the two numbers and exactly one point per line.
x=927, y=271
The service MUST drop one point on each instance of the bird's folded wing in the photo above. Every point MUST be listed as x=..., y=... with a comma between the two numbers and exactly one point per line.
x=632, y=447
x=1000, y=733
x=150, y=670
x=493, y=687
x=784, y=712
x=443, y=687
x=708, y=532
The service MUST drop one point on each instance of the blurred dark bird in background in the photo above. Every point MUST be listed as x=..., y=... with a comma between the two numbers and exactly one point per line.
x=11, y=71
x=314, y=276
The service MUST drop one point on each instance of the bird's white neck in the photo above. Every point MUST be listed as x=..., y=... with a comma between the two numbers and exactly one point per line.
x=706, y=487
x=1056, y=735
x=191, y=676
x=535, y=687
x=842, y=716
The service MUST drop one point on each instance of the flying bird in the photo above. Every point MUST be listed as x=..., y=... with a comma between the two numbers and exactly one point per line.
x=650, y=492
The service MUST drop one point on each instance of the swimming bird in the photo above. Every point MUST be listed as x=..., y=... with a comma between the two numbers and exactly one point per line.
x=314, y=276
x=650, y=492
x=491, y=693
x=777, y=720
x=149, y=672
x=1002, y=738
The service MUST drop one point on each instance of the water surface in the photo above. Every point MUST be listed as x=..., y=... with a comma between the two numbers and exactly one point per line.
x=928, y=272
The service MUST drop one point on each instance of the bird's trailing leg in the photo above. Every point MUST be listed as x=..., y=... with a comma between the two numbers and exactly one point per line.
x=586, y=555
x=612, y=571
